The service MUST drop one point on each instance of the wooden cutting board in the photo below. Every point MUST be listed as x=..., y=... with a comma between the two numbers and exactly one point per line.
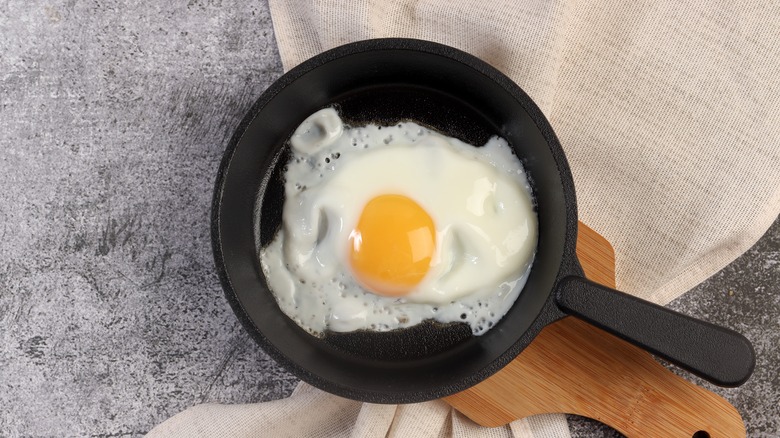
x=572, y=367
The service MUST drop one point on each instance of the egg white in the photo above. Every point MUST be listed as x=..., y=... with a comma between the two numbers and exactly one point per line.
x=478, y=197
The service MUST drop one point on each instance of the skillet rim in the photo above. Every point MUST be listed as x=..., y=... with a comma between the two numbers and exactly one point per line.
x=569, y=264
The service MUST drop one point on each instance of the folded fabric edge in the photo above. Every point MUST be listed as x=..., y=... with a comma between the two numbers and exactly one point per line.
x=722, y=257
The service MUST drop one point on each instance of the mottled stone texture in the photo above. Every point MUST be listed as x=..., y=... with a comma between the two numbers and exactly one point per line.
x=113, y=122
x=113, y=119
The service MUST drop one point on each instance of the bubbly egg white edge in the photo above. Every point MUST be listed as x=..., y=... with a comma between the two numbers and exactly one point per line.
x=309, y=301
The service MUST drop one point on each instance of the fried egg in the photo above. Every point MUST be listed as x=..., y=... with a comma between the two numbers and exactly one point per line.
x=384, y=227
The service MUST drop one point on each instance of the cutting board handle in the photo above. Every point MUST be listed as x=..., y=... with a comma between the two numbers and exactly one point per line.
x=722, y=356
x=574, y=367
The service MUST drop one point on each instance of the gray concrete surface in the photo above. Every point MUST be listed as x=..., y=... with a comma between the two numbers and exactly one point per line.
x=113, y=119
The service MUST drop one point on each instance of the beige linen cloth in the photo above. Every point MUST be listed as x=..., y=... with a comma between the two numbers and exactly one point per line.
x=669, y=114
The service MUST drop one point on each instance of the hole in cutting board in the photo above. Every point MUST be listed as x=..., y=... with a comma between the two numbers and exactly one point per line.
x=701, y=434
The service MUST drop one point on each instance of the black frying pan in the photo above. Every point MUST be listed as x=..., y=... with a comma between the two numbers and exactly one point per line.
x=385, y=81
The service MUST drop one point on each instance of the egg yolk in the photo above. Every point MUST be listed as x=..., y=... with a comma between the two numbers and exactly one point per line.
x=392, y=245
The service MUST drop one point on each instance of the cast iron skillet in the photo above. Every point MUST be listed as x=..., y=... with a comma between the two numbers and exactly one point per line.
x=385, y=81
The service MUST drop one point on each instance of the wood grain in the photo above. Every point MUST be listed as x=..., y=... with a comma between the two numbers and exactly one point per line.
x=572, y=367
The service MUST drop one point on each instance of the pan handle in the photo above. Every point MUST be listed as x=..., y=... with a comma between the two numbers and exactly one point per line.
x=722, y=356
